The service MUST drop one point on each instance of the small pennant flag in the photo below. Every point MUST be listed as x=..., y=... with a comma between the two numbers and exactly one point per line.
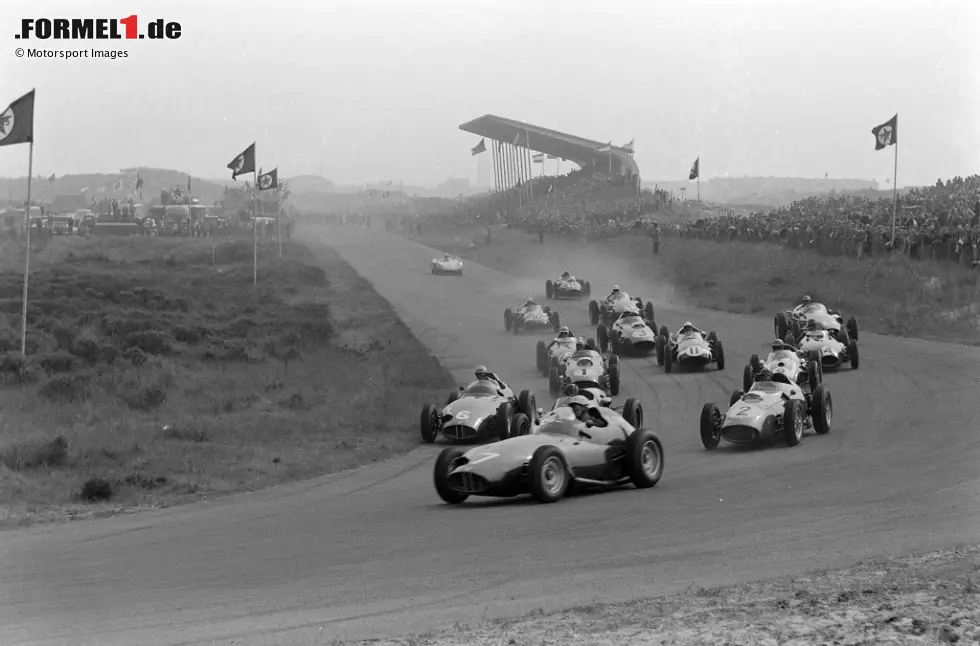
x=51, y=179
x=479, y=148
x=628, y=147
x=243, y=163
x=17, y=121
x=551, y=187
x=270, y=180
x=885, y=135
x=538, y=159
x=695, y=169
x=607, y=148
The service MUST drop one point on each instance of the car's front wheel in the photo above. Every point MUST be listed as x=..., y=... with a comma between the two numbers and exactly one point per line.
x=549, y=477
x=646, y=458
x=440, y=476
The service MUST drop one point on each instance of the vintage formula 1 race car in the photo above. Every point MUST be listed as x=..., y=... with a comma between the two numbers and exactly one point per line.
x=586, y=369
x=689, y=347
x=567, y=287
x=447, y=265
x=803, y=368
x=792, y=322
x=631, y=333
x=831, y=352
x=557, y=353
x=607, y=450
x=609, y=309
x=531, y=316
x=777, y=408
x=477, y=411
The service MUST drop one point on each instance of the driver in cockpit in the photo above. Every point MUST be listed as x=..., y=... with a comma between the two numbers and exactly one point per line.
x=586, y=411
x=563, y=333
x=805, y=304
x=528, y=304
x=565, y=275
x=687, y=328
x=615, y=290
x=582, y=350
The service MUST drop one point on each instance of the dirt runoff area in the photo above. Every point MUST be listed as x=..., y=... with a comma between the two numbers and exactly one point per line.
x=929, y=598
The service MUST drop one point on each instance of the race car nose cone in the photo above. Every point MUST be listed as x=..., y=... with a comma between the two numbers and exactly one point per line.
x=781, y=364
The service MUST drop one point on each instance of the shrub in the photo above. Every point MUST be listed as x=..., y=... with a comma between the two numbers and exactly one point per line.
x=59, y=361
x=149, y=341
x=65, y=387
x=146, y=397
x=96, y=489
x=35, y=455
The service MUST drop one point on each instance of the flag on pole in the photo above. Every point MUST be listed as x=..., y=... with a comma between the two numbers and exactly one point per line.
x=269, y=180
x=607, y=148
x=538, y=159
x=139, y=181
x=188, y=183
x=885, y=135
x=479, y=148
x=17, y=121
x=551, y=187
x=51, y=179
x=628, y=147
x=695, y=169
x=243, y=163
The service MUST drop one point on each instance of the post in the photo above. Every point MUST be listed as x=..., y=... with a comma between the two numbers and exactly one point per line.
x=212, y=255
x=530, y=164
x=699, y=186
x=894, y=194
x=27, y=254
x=278, y=217
x=255, y=228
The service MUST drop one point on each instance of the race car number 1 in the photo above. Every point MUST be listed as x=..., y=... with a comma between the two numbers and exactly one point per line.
x=462, y=415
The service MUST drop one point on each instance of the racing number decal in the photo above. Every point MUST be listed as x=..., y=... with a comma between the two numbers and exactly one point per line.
x=583, y=371
x=742, y=411
x=462, y=415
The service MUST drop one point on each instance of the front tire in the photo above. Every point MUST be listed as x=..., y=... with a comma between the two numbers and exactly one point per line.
x=720, y=351
x=710, y=426
x=549, y=476
x=440, y=476
x=822, y=410
x=549, y=289
x=594, y=312
x=429, y=423
x=645, y=454
x=792, y=423
x=852, y=354
x=852, y=328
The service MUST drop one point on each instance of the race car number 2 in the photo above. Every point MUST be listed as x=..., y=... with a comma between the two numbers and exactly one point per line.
x=462, y=415
x=742, y=410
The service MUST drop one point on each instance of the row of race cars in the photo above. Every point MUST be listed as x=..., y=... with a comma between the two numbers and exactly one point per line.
x=585, y=441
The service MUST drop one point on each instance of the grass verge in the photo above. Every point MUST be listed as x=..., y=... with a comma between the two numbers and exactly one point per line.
x=924, y=599
x=155, y=377
x=888, y=295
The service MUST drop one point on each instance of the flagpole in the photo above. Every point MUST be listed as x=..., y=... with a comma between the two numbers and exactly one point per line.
x=278, y=214
x=27, y=255
x=255, y=226
x=894, y=193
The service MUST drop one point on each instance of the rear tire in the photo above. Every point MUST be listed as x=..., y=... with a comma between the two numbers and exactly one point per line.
x=648, y=310
x=710, y=426
x=549, y=289
x=553, y=383
x=852, y=353
x=660, y=350
x=633, y=412
x=440, y=476
x=748, y=377
x=852, y=328
x=549, y=475
x=594, y=312
x=614, y=378
x=520, y=425
x=736, y=396
x=502, y=420
x=822, y=410
x=541, y=356
x=645, y=456
x=590, y=343
x=668, y=359
x=602, y=334
x=720, y=350
x=508, y=316
x=780, y=326
x=556, y=321
x=526, y=403
x=428, y=423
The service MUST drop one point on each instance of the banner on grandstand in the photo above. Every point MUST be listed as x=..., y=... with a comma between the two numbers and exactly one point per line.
x=886, y=134
x=695, y=169
x=538, y=159
x=479, y=148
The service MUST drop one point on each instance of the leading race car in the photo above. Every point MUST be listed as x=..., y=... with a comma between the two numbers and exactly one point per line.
x=773, y=407
x=613, y=305
x=531, y=315
x=595, y=396
x=557, y=352
x=803, y=368
x=831, y=352
x=567, y=286
x=482, y=409
x=578, y=446
x=689, y=346
x=586, y=368
x=447, y=265
x=792, y=322
x=631, y=333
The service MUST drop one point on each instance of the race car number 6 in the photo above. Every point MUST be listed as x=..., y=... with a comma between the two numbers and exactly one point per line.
x=462, y=415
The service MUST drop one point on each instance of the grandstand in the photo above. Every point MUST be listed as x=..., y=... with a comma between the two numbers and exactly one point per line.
x=511, y=167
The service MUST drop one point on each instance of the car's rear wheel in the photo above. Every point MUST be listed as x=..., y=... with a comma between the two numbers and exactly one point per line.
x=553, y=383
x=501, y=421
x=508, y=316
x=780, y=326
x=748, y=377
x=821, y=410
x=614, y=378
x=520, y=425
x=594, y=312
x=852, y=354
x=668, y=358
x=549, y=477
x=440, y=476
x=852, y=328
x=429, y=423
x=645, y=455
x=453, y=396
x=555, y=320
x=590, y=343
x=793, y=422
x=541, y=358
x=648, y=310
x=549, y=289
x=602, y=334
x=710, y=426
x=720, y=355
x=660, y=342
x=526, y=403
x=736, y=396
x=633, y=412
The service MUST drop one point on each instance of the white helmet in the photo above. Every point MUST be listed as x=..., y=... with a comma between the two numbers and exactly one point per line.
x=615, y=288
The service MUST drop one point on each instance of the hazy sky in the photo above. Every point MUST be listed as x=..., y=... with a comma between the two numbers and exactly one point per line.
x=372, y=90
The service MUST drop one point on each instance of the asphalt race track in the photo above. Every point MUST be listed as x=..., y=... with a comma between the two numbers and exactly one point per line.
x=374, y=551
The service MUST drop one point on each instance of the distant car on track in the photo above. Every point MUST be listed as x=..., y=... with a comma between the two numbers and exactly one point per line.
x=609, y=309
x=631, y=333
x=447, y=265
x=586, y=369
x=773, y=407
x=689, y=346
x=557, y=351
x=606, y=450
x=830, y=352
x=567, y=286
x=792, y=322
x=803, y=368
x=530, y=315
x=476, y=411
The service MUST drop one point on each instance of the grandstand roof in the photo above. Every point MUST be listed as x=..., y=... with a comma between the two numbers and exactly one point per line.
x=582, y=151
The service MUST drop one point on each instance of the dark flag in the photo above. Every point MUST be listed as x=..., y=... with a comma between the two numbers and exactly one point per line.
x=695, y=169
x=243, y=163
x=886, y=134
x=17, y=121
x=270, y=180
x=479, y=148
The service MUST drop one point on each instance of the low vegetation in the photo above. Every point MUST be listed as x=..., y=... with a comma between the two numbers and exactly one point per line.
x=157, y=374
x=924, y=599
x=889, y=295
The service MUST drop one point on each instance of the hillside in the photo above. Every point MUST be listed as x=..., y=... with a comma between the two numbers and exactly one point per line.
x=767, y=191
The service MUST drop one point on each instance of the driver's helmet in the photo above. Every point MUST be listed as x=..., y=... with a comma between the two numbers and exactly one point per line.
x=579, y=405
x=764, y=375
x=580, y=344
x=481, y=373
x=529, y=301
x=615, y=289
x=571, y=390
x=687, y=327
x=777, y=345
x=445, y=256
x=564, y=332
x=806, y=300
x=565, y=274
